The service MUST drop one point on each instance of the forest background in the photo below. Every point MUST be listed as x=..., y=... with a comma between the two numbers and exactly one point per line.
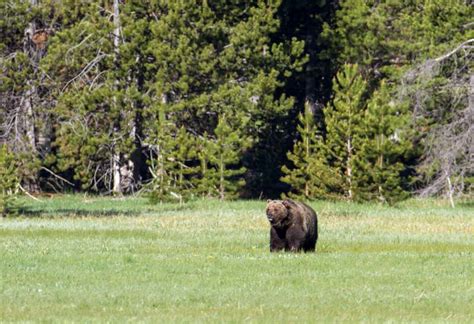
x=354, y=100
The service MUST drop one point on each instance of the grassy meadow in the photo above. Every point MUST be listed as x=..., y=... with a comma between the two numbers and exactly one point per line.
x=79, y=258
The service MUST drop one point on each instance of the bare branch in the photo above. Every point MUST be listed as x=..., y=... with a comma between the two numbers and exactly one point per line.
x=57, y=176
x=447, y=105
x=461, y=46
x=86, y=69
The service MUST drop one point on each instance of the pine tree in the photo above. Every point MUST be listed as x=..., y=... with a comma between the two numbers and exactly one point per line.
x=403, y=42
x=9, y=180
x=309, y=176
x=344, y=125
x=88, y=62
x=224, y=175
x=386, y=37
x=379, y=164
x=218, y=58
x=171, y=171
x=25, y=29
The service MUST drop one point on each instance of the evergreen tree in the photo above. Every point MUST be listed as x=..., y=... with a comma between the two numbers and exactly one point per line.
x=213, y=59
x=172, y=174
x=96, y=109
x=94, y=71
x=305, y=19
x=9, y=180
x=379, y=164
x=387, y=37
x=203, y=181
x=309, y=176
x=345, y=128
x=223, y=177
x=25, y=29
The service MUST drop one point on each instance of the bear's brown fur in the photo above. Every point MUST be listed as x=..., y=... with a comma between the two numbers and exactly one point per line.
x=294, y=226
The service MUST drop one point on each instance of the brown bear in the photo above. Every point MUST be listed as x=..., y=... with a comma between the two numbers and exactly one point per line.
x=294, y=226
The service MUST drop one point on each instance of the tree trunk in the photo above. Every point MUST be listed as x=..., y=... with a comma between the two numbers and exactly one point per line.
x=450, y=190
x=471, y=92
x=221, y=179
x=138, y=158
x=349, y=168
x=27, y=104
x=310, y=77
x=29, y=116
x=380, y=165
x=30, y=49
x=308, y=153
x=117, y=189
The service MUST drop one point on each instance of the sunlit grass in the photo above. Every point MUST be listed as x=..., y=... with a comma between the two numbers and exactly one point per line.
x=101, y=259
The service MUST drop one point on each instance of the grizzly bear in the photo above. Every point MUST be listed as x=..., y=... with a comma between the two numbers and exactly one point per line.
x=294, y=226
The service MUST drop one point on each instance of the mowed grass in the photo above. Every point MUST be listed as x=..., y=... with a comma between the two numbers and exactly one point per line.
x=75, y=258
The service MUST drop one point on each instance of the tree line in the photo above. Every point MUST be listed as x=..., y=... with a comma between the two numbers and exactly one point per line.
x=182, y=99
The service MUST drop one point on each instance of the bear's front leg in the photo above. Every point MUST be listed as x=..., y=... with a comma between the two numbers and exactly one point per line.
x=295, y=237
x=277, y=240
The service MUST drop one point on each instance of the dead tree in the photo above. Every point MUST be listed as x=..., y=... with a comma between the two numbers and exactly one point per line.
x=24, y=124
x=442, y=93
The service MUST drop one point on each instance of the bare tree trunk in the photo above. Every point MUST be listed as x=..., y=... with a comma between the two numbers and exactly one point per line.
x=161, y=157
x=307, y=152
x=310, y=78
x=117, y=189
x=29, y=116
x=27, y=109
x=221, y=180
x=138, y=170
x=471, y=92
x=380, y=164
x=31, y=91
x=349, y=168
x=450, y=190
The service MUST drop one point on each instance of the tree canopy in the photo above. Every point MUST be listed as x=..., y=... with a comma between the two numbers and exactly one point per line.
x=226, y=99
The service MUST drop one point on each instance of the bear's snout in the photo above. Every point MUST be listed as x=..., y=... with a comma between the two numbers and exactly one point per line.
x=270, y=217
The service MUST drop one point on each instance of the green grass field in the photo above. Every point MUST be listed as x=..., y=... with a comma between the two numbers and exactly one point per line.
x=75, y=258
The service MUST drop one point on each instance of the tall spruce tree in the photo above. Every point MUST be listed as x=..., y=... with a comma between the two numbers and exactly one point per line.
x=309, y=175
x=224, y=150
x=213, y=59
x=345, y=128
x=172, y=175
x=384, y=145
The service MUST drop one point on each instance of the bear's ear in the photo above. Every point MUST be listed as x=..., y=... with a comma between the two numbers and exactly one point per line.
x=268, y=201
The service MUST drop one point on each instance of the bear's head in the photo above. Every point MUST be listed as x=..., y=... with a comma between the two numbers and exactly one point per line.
x=277, y=212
